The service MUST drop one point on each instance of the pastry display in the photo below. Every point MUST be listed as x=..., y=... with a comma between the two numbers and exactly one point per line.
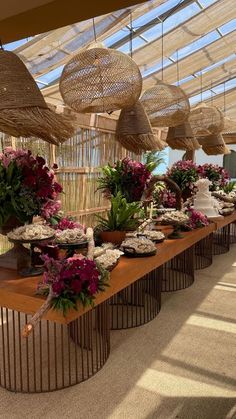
x=30, y=232
x=100, y=250
x=109, y=258
x=175, y=217
x=154, y=235
x=139, y=246
x=70, y=236
x=226, y=208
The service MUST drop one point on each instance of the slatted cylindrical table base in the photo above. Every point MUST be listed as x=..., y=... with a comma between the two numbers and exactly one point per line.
x=203, y=253
x=233, y=233
x=221, y=240
x=50, y=358
x=137, y=304
x=178, y=273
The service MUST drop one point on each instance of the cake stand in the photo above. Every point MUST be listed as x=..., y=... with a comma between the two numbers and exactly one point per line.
x=72, y=247
x=31, y=270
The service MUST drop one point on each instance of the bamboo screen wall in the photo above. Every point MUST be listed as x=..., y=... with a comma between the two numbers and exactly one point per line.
x=79, y=160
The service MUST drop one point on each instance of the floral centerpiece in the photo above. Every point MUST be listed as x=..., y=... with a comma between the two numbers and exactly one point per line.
x=196, y=219
x=126, y=176
x=72, y=280
x=216, y=174
x=27, y=187
x=185, y=174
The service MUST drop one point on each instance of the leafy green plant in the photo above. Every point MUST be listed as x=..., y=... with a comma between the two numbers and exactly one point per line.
x=153, y=159
x=121, y=216
x=230, y=186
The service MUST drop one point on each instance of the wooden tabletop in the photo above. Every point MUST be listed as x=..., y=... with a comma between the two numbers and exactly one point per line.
x=19, y=293
x=224, y=221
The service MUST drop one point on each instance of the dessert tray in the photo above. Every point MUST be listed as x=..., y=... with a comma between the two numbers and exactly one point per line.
x=138, y=247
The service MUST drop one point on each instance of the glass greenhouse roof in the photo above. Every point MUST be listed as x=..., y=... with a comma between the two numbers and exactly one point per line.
x=199, y=34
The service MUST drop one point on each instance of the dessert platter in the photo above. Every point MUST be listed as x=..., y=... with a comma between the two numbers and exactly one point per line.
x=138, y=247
x=70, y=240
x=32, y=234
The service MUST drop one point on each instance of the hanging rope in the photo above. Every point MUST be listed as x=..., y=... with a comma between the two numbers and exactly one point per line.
x=131, y=35
x=94, y=30
x=162, y=50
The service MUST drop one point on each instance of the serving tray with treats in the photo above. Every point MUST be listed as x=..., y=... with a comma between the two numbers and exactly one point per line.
x=70, y=236
x=138, y=247
x=31, y=233
x=154, y=235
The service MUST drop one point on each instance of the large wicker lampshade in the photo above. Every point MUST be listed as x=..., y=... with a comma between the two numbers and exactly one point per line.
x=166, y=105
x=214, y=144
x=229, y=131
x=181, y=138
x=206, y=120
x=100, y=80
x=134, y=131
x=23, y=110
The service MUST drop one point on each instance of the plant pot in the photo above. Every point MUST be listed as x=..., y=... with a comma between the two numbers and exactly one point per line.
x=115, y=237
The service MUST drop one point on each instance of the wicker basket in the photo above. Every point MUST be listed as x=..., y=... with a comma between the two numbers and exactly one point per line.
x=166, y=105
x=181, y=138
x=100, y=80
x=23, y=110
x=134, y=131
x=170, y=185
x=206, y=120
x=213, y=145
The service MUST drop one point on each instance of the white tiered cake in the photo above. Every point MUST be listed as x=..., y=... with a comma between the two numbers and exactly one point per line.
x=203, y=200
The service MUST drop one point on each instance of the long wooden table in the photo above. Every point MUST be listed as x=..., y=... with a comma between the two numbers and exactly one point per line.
x=63, y=351
x=19, y=293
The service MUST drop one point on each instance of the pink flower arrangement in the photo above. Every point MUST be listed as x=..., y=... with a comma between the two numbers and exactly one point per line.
x=67, y=223
x=72, y=280
x=196, y=219
x=167, y=199
x=28, y=186
x=184, y=173
x=126, y=176
x=216, y=174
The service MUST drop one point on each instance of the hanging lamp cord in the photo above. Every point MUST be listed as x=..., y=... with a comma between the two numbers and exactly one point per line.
x=162, y=50
x=94, y=30
x=131, y=35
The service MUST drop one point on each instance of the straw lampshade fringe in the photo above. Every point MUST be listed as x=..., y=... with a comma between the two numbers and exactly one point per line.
x=213, y=145
x=36, y=122
x=134, y=143
x=181, y=138
x=189, y=144
x=23, y=110
x=134, y=131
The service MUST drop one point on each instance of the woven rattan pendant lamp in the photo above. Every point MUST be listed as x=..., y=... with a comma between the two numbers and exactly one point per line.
x=23, y=110
x=213, y=145
x=166, y=105
x=229, y=132
x=134, y=131
x=181, y=137
x=206, y=120
x=100, y=80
